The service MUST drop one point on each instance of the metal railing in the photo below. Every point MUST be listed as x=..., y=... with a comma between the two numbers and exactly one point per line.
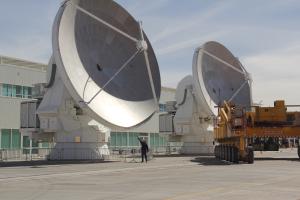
x=124, y=154
x=25, y=154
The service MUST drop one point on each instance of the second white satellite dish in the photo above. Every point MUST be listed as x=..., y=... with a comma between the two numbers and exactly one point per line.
x=219, y=76
x=106, y=62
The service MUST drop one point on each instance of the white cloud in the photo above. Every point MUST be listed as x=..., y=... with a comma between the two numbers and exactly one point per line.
x=195, y=42
x=276, y=74
x=191, y=22
x=144, y=7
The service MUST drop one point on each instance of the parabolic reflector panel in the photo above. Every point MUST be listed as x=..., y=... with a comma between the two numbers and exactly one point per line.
x=90, y=54
x=220, y=77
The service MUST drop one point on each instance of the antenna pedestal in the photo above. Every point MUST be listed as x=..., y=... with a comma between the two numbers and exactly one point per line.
x=76, y=135
x=190, y=124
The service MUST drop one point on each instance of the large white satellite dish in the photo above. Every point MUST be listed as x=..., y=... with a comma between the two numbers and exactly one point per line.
x=218, y=76
x=103, y=74
x=106, y=62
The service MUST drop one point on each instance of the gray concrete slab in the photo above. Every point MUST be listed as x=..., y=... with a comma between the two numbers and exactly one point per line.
x=274, y=175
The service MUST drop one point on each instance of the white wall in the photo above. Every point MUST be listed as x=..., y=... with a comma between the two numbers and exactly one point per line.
x=10, y=106
x=10, y=113
x=21, y=76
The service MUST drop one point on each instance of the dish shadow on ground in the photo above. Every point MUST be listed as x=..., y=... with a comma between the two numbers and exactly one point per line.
x=211, y=160
x=274, y=159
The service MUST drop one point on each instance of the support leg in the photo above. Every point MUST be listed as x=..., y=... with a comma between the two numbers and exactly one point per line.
x=232, y=154
x=237, y=155
x=250, y=156
x=225, y=152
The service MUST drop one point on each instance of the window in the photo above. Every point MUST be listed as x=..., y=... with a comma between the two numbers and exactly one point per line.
x=6, y=90
x=162, y=107
x=113, y=138
x=19, y=91
x=152, y=140
x=25, y=92
x=29, y=92
x=133, y=140
x=6, y=139
x=16, y=139
x=14, y=90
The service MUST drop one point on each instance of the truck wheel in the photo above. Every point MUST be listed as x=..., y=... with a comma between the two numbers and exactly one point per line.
x=229, y=154
x=236, y=155
x=232, y=154
x=217, y=151
x=222, y=152
x=250, y=156
x=226, y=153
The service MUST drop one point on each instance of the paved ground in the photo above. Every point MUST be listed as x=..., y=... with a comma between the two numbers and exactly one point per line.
x=173, y=178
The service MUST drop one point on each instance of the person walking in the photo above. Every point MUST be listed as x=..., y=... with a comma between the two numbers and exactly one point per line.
x=144, y=149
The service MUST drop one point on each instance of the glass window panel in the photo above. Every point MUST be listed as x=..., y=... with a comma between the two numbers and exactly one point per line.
x=161, y=141
x=5, y=138
x=19, y=91
x=119, y=140
x=29, y=92
x=45, y=145
x=16, y=139
x=131, y=137
x=6, y=90
x=25, y=92
x=162, y=107
x=35, y=145
x=124, y=139
x=164, y=141
x=137, y=142
x=9, y=90
x=113, y=139
x=26, y=142
x=152, y=140
x=156, y=140
x=14, y=91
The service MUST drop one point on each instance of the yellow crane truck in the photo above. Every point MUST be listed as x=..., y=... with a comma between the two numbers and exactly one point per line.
x=238, y=132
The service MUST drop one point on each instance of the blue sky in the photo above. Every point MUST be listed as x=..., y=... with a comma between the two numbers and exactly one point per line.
x=265, y=35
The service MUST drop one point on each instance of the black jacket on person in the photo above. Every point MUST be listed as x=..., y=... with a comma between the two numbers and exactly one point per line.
x=144, y=145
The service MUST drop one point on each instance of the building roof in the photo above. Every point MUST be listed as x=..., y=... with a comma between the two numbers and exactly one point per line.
x=168, y=89
x=5, y=60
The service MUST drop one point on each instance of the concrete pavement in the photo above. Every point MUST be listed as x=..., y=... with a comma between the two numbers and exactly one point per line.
x=274, y=175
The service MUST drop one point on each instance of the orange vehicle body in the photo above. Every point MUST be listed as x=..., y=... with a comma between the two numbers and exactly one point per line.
x=236, y=128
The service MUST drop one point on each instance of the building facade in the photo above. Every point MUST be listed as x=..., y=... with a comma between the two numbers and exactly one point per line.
x=17, y=78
